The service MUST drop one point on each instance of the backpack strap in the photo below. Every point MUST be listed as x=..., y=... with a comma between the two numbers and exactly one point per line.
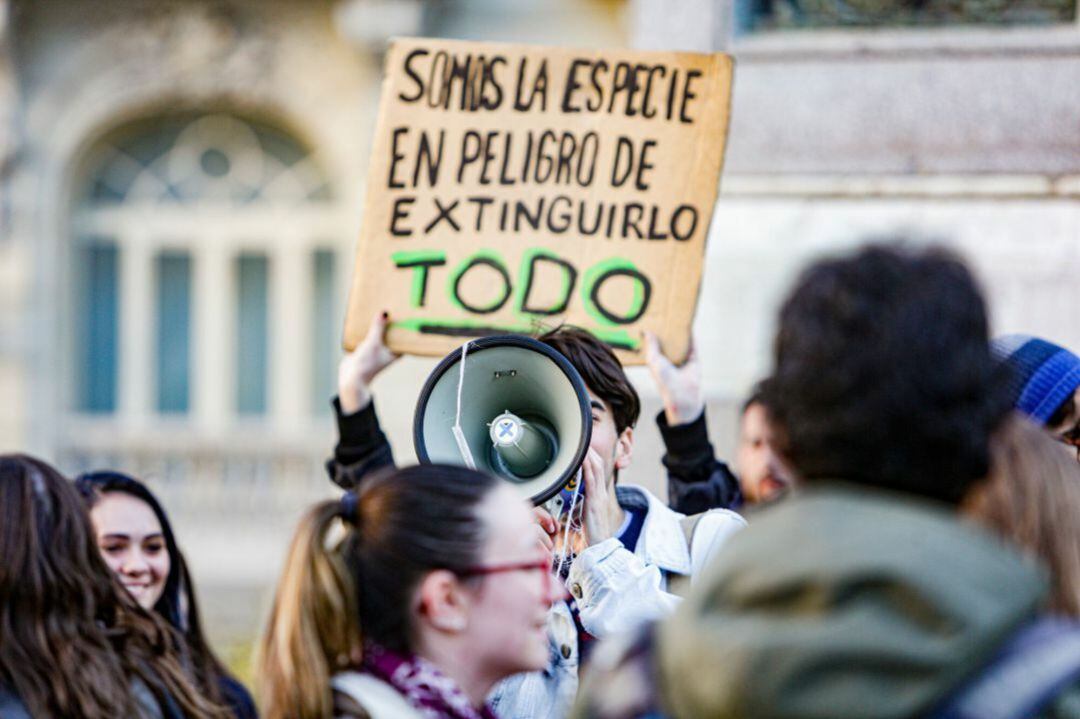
x=679, y=584
x=703, y=538
x=366, y=696
x=1031, y=670
x=689, y=525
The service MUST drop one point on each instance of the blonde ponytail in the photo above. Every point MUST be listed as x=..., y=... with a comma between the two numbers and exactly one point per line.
x=411, y=521
x=314, y=627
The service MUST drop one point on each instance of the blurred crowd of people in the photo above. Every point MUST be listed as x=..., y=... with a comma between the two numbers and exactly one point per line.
x=899, y=538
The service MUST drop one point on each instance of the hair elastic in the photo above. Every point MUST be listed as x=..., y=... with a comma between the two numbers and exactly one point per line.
x=350, y=508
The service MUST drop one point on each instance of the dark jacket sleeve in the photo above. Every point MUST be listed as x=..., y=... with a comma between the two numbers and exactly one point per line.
x=362, y=447
x=697, y=480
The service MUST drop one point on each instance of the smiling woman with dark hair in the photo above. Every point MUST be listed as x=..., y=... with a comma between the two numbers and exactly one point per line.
x=136, y=540
x=74, y=643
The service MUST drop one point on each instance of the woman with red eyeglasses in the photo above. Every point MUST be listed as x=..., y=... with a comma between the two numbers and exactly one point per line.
x=410, y=599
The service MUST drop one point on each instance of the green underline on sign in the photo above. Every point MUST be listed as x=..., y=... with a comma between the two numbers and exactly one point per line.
x=619, y=339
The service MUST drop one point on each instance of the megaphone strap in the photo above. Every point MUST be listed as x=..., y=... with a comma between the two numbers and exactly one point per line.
x=459, y=434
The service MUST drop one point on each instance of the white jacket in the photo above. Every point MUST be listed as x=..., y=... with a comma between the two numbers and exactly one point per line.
x=616, y=591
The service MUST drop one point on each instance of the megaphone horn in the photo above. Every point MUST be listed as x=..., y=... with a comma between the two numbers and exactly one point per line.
x=524, y=414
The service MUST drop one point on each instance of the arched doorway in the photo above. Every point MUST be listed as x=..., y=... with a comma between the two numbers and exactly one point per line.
x=207, y=291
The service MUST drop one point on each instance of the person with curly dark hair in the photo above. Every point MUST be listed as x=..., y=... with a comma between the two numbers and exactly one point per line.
x=865, y=594
x=880, y=378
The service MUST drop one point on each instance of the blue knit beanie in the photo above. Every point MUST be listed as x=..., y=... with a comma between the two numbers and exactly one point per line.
x=1041, y=374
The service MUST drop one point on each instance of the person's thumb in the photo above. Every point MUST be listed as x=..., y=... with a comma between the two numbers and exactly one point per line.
x=653, y=356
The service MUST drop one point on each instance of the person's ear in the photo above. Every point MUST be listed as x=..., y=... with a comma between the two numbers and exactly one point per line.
x=624, y=448
x=443, y=601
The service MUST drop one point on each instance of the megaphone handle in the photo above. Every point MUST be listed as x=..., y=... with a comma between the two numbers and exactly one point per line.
x=459, y=434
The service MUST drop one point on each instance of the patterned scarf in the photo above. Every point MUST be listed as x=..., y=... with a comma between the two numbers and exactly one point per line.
x=431, y=692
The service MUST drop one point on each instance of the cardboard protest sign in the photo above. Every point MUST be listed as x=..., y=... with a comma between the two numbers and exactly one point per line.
x=515, y=187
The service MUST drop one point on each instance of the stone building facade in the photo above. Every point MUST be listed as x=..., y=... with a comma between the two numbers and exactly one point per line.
x=179, y=207
x=956, y=127
x=180, y=188
x=197, y=166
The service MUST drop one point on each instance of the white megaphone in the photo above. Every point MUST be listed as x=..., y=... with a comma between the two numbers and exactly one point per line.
x=522, y=410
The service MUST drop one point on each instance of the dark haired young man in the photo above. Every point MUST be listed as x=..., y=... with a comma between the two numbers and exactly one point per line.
x=762, y=475
x=635, y=543
x=865, y=594
x=697, y=480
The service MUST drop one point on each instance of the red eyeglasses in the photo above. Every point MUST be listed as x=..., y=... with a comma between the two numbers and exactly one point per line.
x=482, y=570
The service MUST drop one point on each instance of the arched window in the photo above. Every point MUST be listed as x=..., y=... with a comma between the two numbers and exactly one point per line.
x=206, y=276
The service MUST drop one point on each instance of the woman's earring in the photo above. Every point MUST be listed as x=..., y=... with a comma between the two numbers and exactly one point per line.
x=452, y=624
